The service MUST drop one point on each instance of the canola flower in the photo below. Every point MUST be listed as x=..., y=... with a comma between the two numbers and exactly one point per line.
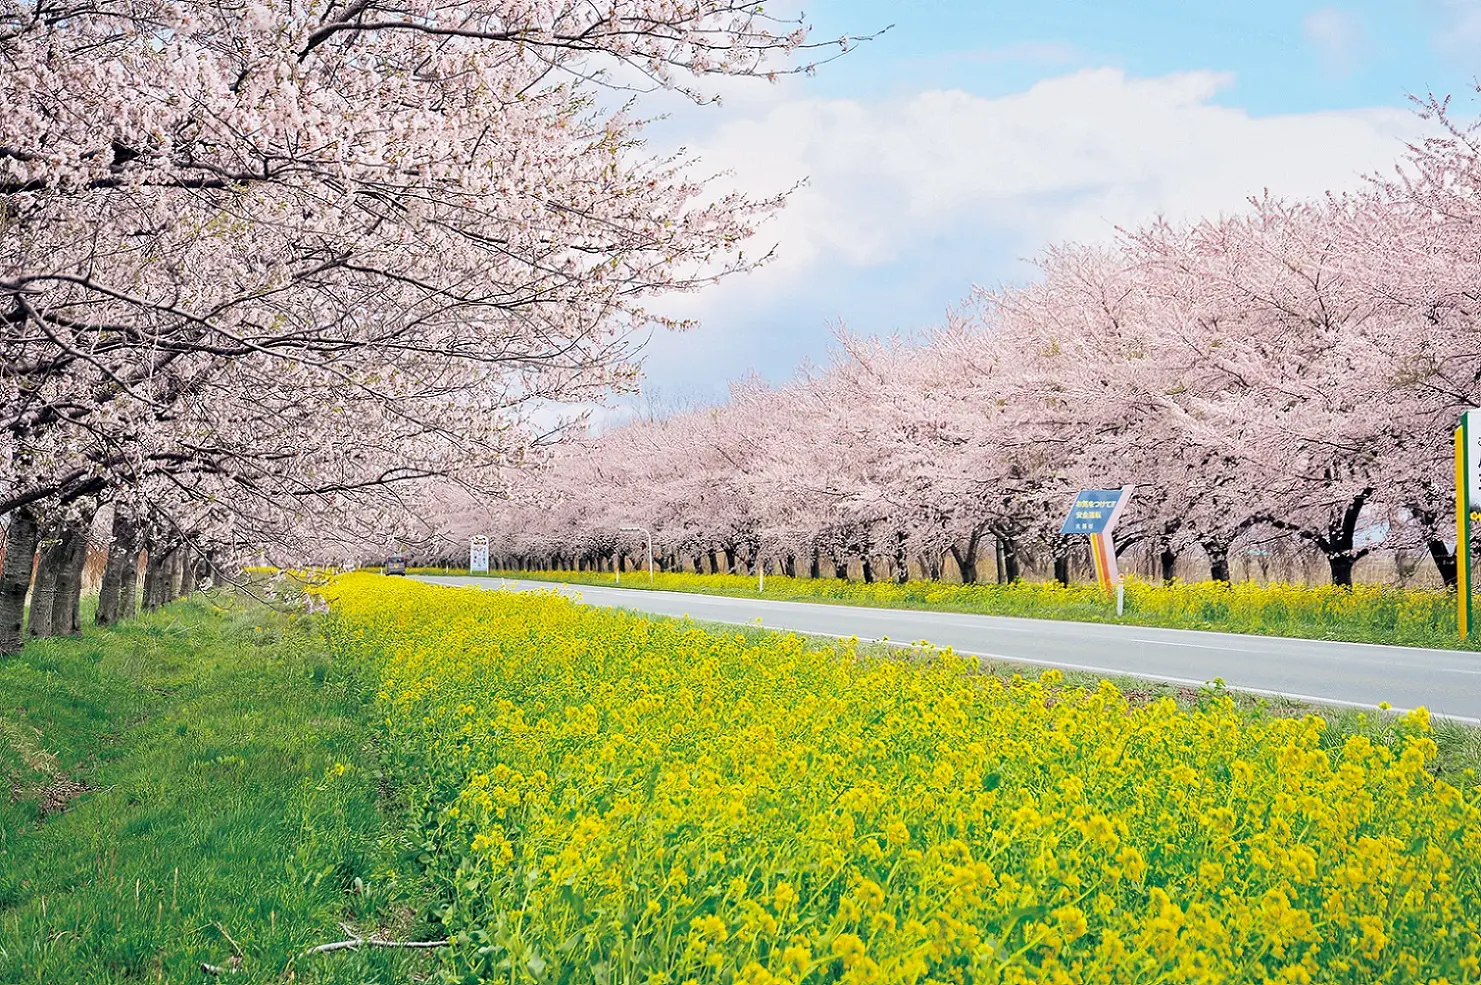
x=1363, y=613
x=608, y=798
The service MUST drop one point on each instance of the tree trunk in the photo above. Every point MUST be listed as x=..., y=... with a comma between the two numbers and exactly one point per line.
x=1444, y=559
x=154, y=572
x=169, y=589
x=966, y=560
x=49, y=563
x=1166, y=556
x=151, y=574
x=1062, y=560
x=120, y=552
x=729, y=560
x=868, y=570
x=1012, y=564
x=1218, y=560
x=1169, y=560
x=187, y=572
x=128, y=584
x=66, y=613
x=177, y=586
x=902, y=560
x=930, y=566
x=1341, y=555
x=15, y=578
x=1341, y=565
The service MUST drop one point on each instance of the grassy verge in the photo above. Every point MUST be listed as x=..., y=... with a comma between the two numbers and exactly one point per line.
x=197, y=786
x=1364, y=614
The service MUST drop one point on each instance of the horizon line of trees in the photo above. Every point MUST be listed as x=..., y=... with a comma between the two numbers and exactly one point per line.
x=1296, y=369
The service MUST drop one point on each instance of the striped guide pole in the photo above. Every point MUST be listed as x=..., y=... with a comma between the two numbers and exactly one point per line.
x=1099, y=552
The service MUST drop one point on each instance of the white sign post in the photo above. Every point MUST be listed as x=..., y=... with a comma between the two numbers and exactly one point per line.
x=478, y=556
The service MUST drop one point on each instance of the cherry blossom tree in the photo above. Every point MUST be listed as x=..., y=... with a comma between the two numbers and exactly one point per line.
x=371, y=205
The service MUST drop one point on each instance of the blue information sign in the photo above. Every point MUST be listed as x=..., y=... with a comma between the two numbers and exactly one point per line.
x=1092, y=511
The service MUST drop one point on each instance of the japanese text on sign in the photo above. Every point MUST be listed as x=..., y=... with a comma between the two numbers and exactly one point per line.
x=1092, y=511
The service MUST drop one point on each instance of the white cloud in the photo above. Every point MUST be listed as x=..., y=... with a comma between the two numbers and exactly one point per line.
x=901, y=183
x=1072, y=157
x=1337, y=34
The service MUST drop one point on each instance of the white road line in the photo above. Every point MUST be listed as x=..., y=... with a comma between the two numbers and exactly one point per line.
x=1196, y=646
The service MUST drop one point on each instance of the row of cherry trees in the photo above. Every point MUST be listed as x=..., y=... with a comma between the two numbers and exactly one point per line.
x=1295, y=370
x=276, y=276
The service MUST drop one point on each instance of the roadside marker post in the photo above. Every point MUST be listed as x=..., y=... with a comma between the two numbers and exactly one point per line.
x=1094, y=514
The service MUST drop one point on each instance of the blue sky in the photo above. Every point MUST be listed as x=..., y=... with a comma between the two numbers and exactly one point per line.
x=1287, y=56
x=973, y=134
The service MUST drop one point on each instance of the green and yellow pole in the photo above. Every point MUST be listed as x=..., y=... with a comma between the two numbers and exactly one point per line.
x=1462, y=533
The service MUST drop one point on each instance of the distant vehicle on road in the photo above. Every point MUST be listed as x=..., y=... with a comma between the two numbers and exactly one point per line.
x=395, y=565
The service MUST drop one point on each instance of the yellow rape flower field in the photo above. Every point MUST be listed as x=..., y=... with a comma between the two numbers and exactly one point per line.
x=603, y=797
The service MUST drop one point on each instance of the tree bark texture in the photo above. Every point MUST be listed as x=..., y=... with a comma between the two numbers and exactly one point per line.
x=15, y=578
x=156, y=569
x=50, y=559
x=120, y=553
x=966, y=558
x=1012, y=564
x=1218, y=560
x=66, y=612
x=128, y=584
x=1169, y=561
x=1444, y=559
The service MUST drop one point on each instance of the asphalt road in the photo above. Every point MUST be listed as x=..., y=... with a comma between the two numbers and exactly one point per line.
x=1447, y=682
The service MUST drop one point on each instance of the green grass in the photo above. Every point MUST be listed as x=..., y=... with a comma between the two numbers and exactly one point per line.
x=216, y=819
x=1364, y=614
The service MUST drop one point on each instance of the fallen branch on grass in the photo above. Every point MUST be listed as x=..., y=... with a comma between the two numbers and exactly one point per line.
x=234, y=965
x=357, y=941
